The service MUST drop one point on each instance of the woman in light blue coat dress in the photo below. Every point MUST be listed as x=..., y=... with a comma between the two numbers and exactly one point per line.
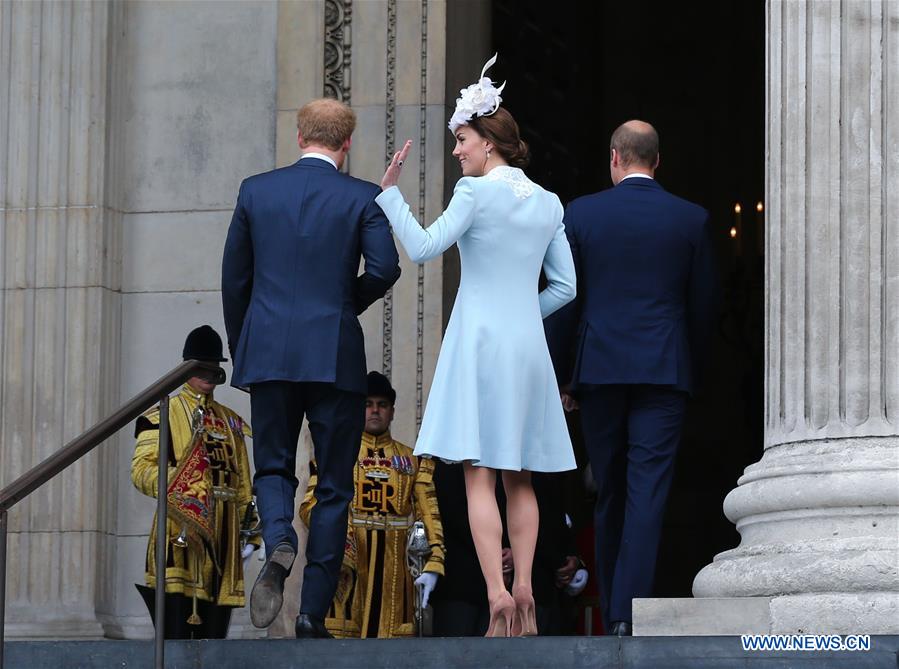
x=494, y=403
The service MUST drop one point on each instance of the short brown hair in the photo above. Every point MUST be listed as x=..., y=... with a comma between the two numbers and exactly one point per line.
x=326, y=121
x=502, y=130
x=636, y=145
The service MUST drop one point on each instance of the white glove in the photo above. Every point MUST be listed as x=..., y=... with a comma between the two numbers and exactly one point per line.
x=426, y=582
x=577, y=583
x=247, y=552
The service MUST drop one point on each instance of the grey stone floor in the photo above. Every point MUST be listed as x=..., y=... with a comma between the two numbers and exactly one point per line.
x=445, y=653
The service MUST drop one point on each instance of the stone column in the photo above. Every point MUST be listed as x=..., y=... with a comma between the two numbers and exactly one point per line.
x=59, y=306
x=818, y=514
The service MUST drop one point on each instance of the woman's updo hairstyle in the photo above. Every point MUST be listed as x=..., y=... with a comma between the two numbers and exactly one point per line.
x=502, y=131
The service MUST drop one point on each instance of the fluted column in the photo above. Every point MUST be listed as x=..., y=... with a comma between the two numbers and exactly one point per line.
x=819, y=514
x=59, y=306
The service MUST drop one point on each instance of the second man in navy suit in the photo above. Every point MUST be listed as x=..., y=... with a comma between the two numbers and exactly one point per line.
x=647, y=290
x=291, y=296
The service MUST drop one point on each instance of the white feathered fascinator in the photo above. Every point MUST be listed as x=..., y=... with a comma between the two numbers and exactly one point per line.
x=480, y=99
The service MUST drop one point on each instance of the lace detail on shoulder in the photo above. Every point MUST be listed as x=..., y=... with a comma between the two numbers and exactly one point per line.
x=521, y=186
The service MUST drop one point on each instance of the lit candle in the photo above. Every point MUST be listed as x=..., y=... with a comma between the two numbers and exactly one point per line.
x=760, y=226
x=736, y=232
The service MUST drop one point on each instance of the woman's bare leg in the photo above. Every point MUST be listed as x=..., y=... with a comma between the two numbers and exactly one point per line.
x=523, y=521
x=486, y=525
x=487, y=533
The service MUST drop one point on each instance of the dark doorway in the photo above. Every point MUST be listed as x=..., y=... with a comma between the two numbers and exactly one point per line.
x=576, y=70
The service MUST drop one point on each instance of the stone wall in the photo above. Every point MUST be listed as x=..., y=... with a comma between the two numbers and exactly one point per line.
x=126, y=131
x=197, y=95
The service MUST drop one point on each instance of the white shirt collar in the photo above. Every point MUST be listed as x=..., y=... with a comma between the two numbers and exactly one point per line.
x=632, y=174
x=320, y=156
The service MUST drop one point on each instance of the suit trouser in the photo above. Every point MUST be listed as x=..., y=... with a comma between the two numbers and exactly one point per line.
x=631, y=433
x=336, y=419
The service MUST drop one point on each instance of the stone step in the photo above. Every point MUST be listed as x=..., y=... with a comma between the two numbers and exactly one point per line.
x=808, y=613
x=700, y=652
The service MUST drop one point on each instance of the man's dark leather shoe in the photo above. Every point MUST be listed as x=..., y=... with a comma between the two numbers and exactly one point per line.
x=621, y=628
x=308, y=627
x=268, y=590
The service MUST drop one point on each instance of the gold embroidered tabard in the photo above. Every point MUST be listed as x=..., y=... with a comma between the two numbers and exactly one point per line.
x=217, y=471
x=393, y=488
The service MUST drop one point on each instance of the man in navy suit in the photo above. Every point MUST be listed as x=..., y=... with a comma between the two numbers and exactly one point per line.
x=291, y=297
x=646, y=301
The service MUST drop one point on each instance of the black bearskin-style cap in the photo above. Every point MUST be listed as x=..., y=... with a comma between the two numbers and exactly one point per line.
x=203, y=343
x=379, y=386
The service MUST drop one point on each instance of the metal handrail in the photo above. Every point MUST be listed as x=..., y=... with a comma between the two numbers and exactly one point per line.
x=88, y=441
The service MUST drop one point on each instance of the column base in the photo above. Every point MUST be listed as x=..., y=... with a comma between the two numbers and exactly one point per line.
x=828, y=613
x=37, y=630
x=702, y=616
x=127, y=627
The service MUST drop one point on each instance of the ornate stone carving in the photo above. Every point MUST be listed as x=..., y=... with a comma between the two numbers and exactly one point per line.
x=338, y=19
x=390, y=142
x=422, y=185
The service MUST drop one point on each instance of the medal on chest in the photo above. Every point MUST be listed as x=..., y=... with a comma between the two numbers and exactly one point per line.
x=403, y=464
x=236, y=424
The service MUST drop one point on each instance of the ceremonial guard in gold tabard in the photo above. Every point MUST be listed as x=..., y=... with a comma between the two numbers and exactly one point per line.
x=376, y=596
x=209, y=503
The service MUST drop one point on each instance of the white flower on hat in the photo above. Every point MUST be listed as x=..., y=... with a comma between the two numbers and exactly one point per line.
x=480, y=99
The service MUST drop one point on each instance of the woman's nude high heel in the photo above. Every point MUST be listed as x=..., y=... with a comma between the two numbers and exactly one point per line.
x=525, y=614
x=502, y=613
